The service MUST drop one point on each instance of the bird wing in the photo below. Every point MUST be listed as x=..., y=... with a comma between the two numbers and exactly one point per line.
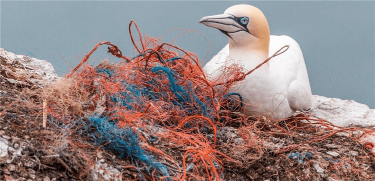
x=289, y=69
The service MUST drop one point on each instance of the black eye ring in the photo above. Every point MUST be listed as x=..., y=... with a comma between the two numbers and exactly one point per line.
x=244, y=20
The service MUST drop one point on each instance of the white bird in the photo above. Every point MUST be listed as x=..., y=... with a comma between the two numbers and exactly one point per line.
x=278, y=88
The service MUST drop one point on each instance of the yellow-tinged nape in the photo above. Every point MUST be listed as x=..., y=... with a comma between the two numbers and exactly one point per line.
x=258, y=37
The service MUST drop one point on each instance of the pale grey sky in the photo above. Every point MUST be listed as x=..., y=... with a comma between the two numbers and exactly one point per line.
x=336, y=37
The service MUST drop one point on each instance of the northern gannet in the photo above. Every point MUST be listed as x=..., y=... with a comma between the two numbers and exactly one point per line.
x=278, y=88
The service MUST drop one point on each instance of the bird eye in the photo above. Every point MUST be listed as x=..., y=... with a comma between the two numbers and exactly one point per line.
x=244, y=20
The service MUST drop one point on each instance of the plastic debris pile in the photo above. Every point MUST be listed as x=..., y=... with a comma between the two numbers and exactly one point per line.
x=125, y=102
x=160, y=113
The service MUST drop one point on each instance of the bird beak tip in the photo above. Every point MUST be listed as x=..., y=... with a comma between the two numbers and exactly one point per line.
x=203, y=20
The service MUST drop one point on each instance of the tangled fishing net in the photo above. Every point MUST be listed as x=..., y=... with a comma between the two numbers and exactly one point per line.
x=125, y=102
x=163, y=96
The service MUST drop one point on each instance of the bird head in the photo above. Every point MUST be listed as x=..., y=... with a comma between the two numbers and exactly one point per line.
x=245, y=26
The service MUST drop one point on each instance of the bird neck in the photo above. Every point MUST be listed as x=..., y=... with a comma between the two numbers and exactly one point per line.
x=252, y=46
x=249, y=59
x=252, y=53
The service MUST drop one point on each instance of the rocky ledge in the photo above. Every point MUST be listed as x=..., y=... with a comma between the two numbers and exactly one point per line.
x=22, y=159
x=24, y=70
x=343, y=113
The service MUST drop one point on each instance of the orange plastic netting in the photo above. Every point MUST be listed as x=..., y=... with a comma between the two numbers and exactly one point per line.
x=164, y=88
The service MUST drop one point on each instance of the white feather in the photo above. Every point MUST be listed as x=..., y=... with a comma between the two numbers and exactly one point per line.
x=278, y=88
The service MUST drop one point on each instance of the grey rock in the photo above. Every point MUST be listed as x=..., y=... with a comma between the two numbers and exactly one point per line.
x=16, y=146
x=31, y=171
x=29, y=164
x=24, y=174
x=343, y=113
x=239, y=141
x=12, y=81
x=353, y=153
x=344, y=134
x=230, y=135
x=12, y=167
x=9, y=160
x=332, y=153
x=331, y=146
x=3, y=147
x=357, y=133
x=102, y=171
x=318, y=168
x=332, y=179
x=38, y=72
x=32, y=176
x=10, y=149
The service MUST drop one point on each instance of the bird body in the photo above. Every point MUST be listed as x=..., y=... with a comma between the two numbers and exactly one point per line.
x=278, y=88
